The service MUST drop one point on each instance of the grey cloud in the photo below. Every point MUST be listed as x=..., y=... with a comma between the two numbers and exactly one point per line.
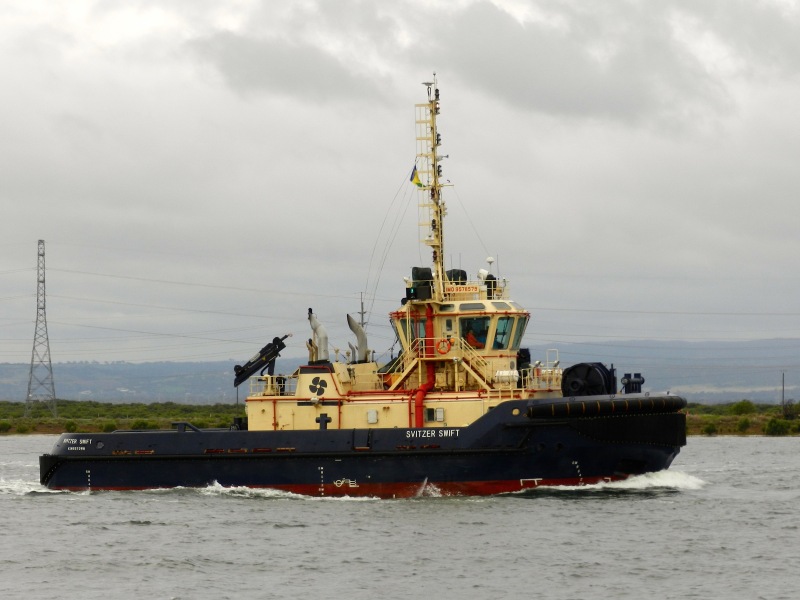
x=764, y=36
x=275, y=66
x=644, y=75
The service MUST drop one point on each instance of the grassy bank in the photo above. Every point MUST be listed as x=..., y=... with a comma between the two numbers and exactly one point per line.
x=737, y=418
x=741, y=418
x=90, y=417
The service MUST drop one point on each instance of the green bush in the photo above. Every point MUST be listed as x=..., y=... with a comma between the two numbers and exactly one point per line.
x=743, y=407
x=777, y=427
x=109, y=427
x=70, y=426
x=743, y=425
x=4, y=426
x=142, y=424
x=22, y=428
x=789, y=410
x=710, y=429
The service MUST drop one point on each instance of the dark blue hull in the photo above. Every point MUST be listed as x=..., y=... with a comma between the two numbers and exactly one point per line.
x=512, y=448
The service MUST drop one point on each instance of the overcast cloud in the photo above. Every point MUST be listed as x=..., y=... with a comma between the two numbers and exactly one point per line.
x=204, y=172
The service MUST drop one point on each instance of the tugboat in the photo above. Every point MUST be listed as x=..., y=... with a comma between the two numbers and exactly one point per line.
x=462, y=410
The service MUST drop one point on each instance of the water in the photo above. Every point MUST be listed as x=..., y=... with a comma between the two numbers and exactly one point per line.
x=722, y=523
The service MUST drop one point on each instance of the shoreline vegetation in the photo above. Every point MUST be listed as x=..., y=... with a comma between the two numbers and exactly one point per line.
x=735, y=418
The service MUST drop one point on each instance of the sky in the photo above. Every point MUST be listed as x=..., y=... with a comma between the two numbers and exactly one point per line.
x=204, y=172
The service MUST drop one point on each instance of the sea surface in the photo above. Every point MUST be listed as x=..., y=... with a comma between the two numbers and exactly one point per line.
x=723, y=522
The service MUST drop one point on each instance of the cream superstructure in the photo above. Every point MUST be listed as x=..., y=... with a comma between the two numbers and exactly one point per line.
x=460, y=343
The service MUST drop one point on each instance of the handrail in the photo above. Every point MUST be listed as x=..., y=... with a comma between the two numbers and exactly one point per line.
x=458, y=349
x=272, y=385
x=473, y=358
x=541, y=378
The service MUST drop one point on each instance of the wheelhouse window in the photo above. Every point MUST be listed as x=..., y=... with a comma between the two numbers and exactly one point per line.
x=420, y=328
x=503, y=333
x=469, y=306
x=519, y=332
x=400, y=338
x=410, y=329
x=474, y=330
x=402, y=331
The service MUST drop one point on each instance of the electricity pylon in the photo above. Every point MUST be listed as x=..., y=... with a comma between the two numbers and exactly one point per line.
x=41, y=387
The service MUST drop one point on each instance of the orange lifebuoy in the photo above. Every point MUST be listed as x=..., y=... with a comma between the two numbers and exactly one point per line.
x=443, y=346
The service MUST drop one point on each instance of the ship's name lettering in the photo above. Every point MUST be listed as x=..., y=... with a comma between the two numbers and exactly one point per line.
x=431, y=433
x=77, y=444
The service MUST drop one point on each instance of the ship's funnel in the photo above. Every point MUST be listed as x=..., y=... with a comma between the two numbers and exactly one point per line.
x=361, y=339
x=320, y=336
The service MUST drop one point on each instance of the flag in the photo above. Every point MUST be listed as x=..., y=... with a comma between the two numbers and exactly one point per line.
x=415, y=178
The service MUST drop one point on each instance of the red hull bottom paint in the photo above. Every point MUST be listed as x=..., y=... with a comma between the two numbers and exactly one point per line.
x=407, y=490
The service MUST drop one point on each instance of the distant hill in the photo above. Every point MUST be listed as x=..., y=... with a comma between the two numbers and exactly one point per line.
x=707, y=372
x=188, y=382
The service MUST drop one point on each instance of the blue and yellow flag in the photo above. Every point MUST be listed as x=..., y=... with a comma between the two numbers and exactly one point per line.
x=415, y=178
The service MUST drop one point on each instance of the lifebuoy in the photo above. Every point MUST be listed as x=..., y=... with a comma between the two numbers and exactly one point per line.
x=443, y=346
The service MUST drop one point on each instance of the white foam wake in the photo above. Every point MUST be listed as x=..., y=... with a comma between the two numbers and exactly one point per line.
x=674, y=480
x=215, y=489
x=661, y=480
x=23, y=487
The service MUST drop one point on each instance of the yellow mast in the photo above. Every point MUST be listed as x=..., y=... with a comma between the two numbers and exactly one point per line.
x=430, y=172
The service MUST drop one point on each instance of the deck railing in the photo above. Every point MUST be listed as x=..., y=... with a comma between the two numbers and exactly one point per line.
x=452, y=348
x=273, y=385
x=541, y=378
